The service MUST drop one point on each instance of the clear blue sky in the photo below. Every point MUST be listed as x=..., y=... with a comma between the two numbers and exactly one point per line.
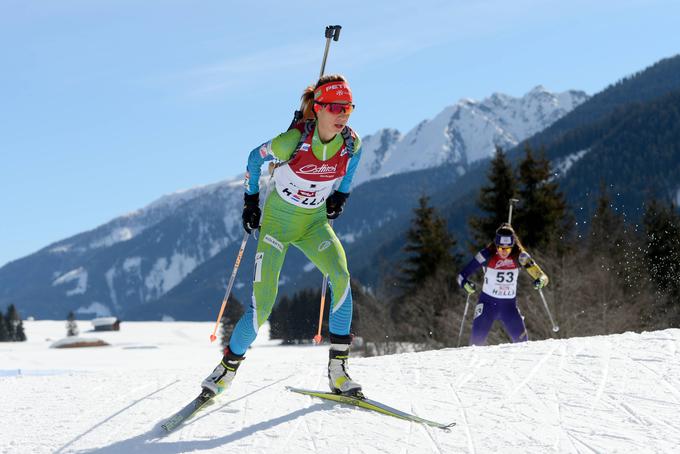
x=106, y=105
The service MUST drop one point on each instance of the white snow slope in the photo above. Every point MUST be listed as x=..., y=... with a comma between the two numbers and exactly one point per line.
x=617, y=393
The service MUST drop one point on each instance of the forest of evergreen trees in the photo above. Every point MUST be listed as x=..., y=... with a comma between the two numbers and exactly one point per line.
x=11, y=326
x=607, y=275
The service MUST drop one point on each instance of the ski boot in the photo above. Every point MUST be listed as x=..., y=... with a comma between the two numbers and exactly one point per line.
x=338, y=378
x=224, y=373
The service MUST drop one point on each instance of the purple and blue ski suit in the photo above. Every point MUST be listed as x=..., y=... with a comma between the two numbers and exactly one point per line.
x=498, y=299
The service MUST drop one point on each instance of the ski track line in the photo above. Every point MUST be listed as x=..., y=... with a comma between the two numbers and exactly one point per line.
x=109, y=418
x=605, y=376
x=673, y=390
x=476, y=364
x=310, y=399
x=409, y=438
x=574, y=438
x=536, y=398
x=311, y=435
x=471, y=445
x=613, y=403
x=531, y=373
x=427, y=430
x=564, y=359
x=560, y=424
x=533, y=401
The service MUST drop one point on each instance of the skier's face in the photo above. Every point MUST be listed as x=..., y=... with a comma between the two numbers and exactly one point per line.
x=333, y=117
x=504, y=251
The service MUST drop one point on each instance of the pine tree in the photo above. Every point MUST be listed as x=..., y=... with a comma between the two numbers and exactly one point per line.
x=71, y=325
x=615, y=247
x=20, y=334
x=12, y=321
x=606, y=227
x=662, y=227
x=494, y=200
x=429, y=247
x=4, y=335
x=541, y=220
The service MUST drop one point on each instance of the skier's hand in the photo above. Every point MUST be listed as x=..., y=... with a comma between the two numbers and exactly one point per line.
x=251, y=212
x=541, y=282
x=469, y=287
x=334, y=204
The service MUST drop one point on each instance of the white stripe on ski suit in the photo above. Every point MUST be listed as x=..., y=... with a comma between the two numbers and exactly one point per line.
x=342, y=300
x=256, y=327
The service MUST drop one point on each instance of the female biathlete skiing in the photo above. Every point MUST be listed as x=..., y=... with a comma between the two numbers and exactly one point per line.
x=498, y=300
x=309, y=159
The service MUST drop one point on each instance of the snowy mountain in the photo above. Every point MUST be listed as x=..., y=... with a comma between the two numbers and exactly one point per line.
x=465, y=132
x=616, y=393
x=139, y=258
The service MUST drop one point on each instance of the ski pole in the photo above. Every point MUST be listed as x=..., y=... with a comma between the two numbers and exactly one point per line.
x=324, y=286
x=231, y=283
x=332, y=32
x=555, y=328
x=462, y=322
x=512, y=202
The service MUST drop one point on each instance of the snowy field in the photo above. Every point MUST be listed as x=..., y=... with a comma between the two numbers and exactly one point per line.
x=587, y=395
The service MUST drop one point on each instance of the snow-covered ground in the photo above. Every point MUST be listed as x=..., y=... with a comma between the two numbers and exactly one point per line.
x=585, y=395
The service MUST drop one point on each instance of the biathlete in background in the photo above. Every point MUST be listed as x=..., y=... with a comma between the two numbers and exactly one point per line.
x=502, y=260
x=309, y=159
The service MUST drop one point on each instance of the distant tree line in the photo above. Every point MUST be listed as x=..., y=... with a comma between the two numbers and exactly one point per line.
x=11, y=326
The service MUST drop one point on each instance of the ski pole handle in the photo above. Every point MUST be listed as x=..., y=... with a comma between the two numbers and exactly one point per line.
x=555, y=328
x=231, y=283
x=462, y=322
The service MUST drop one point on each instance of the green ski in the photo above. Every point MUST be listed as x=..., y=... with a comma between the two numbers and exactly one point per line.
x=188, y=411
x=369, y=404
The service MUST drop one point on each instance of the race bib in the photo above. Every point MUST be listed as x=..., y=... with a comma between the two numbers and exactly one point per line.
x=501, y=283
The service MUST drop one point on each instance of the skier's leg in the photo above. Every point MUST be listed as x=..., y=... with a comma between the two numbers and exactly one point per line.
x=271, y=250
x=268, y=262
x=513, y=321
x=323, y=248
x=485, y=314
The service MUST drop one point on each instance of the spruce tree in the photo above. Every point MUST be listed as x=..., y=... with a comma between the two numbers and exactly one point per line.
x=494, y=200
x=615, y=247
x=71, y=325
x=20, y=335
x=662, y=227
x=428, y=247
x=12, y=321
x=4, y=335
x=541, y=220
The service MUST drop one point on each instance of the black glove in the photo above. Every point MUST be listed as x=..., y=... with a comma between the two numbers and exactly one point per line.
x=334, y=204
x=251, y=212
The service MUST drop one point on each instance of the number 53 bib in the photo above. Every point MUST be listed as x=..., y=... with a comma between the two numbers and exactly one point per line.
x=501, y=283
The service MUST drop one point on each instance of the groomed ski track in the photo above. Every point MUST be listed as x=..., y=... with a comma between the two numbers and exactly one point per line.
x=618, y=393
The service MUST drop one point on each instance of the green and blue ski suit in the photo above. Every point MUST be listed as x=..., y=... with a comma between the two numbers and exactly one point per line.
x=295, y=213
